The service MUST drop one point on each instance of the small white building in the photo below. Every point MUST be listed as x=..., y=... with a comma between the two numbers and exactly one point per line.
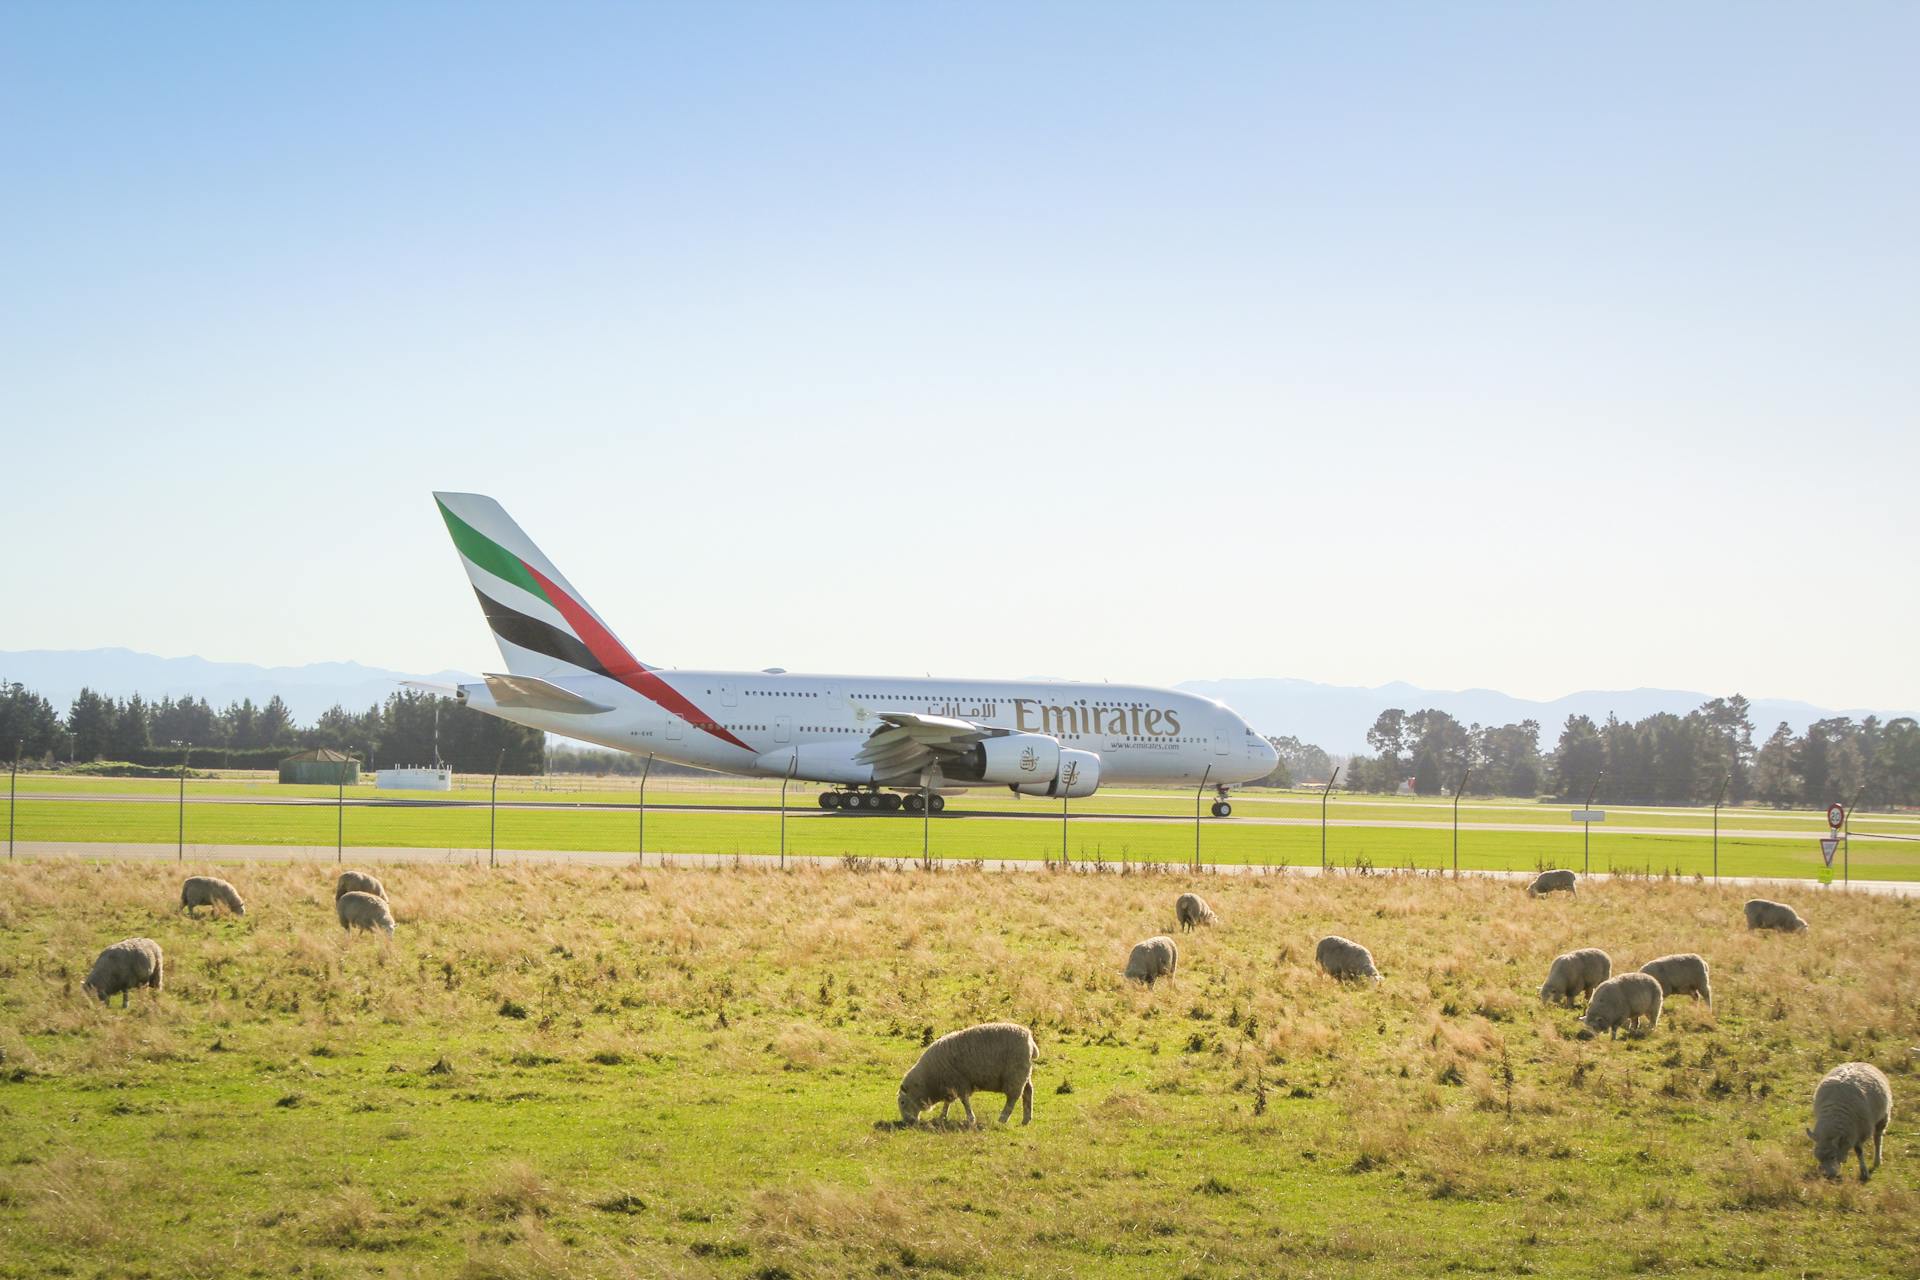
x=416, y=778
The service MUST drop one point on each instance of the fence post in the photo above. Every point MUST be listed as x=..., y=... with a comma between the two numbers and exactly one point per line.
x=1063, y=830
x=1716, y=825
x=1198, y=792
x=1586, y=828
x=493, y=810
x=792, y=764
x=13, y=791
x=1324, y=792
x=643, y=809
x=1456, y=820
x=1846, y=839
x=180, y=850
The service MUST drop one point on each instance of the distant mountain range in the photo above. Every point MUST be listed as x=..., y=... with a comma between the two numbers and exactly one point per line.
x=60, y=674
x=1337, y=717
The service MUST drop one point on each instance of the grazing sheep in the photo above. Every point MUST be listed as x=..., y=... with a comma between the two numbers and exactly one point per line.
x=134, y=962
x=209, y=891
x=1762, y=914
x=1548, y=881
x=1342, y=958
x=359, y=882
x=1192, y=909
x=995, y=1057
x=363, y=911
x=1681, y=975
x=1850, y=1108
x=1154, y=958
x=1622, y=1002
x=1576, y=973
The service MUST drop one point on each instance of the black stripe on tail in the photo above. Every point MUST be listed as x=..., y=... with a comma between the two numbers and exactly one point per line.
x=541, y=637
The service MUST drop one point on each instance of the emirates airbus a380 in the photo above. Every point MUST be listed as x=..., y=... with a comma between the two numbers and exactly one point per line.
x=885, y=743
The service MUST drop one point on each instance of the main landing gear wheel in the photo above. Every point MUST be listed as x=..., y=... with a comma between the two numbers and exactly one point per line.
x=916, y=804
x=939, y=804
x=889, y=802
x=1221, y=809
x=829, y=799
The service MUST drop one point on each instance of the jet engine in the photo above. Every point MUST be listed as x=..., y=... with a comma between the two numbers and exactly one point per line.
x=1012, y=758
x=1078, y=775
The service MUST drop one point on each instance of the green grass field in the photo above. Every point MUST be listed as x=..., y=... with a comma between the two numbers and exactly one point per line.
x=980, y=826
x=746, y=792
x=573, y=1072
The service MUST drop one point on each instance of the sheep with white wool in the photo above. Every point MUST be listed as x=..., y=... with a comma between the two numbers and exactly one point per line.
x=130, y=963
x=1344, y=958
x=1762, y=914
x=359, y=882
x=359, y=910
x=210, y=891
x=1622, y=1002
x=1192, y=910
x=1681, y=975
x=1576, y=973
x=1552, y=881
x=994, y=1057
x=1850, y=1109
x=1157, y=957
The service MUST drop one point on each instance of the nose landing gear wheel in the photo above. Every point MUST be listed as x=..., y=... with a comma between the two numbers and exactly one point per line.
x=1221, y=809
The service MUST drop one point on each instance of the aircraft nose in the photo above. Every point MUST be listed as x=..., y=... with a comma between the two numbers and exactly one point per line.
x=1269, y=756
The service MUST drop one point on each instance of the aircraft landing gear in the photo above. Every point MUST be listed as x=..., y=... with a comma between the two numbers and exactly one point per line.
x=918, y=804
x=1221, y=807
x=871, y=802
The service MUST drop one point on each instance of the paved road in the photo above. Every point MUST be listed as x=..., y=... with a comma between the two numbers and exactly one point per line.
x=202, y=853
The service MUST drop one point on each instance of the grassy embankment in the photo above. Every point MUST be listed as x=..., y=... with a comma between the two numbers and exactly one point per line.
x=613, y=1072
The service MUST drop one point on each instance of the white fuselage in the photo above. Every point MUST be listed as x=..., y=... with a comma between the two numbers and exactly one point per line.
x=812, y=727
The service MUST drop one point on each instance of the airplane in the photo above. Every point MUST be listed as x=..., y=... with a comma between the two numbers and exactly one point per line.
x=883, y=744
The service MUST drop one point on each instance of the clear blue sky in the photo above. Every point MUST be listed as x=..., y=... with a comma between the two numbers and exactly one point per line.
x=1539, y=347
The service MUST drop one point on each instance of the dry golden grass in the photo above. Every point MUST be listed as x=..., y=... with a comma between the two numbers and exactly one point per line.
x=557, y=1071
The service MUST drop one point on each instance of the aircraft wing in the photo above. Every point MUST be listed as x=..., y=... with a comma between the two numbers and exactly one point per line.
x=906, y=742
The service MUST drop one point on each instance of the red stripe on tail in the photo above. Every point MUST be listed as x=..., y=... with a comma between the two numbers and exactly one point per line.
x=623, y=666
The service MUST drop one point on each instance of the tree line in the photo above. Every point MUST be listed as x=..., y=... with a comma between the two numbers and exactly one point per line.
x=1661, y=759
x=401, y=731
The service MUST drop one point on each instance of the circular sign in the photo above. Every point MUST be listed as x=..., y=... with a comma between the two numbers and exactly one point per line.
x=1836, y=814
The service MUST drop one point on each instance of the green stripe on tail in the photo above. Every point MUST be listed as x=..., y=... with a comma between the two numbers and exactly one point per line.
x=488, y=554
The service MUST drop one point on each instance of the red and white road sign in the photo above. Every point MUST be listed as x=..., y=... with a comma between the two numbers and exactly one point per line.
x=1836, y=814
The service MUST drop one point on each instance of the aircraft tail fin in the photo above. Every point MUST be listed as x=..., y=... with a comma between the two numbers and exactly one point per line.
x=543, y=626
